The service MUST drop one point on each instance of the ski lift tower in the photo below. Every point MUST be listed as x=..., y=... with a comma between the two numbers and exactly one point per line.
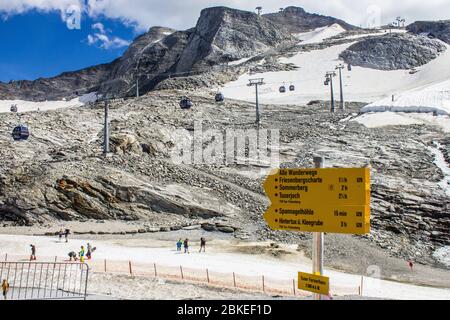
x=340, y=67
x=106, y=129
x=256, y=82
x=259, y=9
x=391, y=26
x=106, y=139
x=329, y=80
x=403, y=21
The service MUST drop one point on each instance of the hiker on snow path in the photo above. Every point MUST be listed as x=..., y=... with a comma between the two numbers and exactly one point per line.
x=202, y=244
x=33, y=252
x=186, y=246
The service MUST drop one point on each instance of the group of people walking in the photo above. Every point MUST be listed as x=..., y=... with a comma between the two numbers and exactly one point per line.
x=73, y=256
x=185, y=245
x=83, y=253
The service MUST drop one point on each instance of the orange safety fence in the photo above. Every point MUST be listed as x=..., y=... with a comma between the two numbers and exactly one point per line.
x=248, y=283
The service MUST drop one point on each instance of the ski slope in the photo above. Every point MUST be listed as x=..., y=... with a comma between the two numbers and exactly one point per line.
x=28, y=106
x=360, y=84
x=320, y=34
x=216, y=261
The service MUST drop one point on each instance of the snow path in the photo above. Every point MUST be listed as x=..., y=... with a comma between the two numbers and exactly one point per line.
x=251, y=265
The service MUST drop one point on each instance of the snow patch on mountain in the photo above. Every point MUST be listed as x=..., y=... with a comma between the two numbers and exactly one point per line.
x=434, y=98
x=238, y=62
x=28, y=106
x=440, y=162
x=320, y=34
x=388, y=118
x=443, y=255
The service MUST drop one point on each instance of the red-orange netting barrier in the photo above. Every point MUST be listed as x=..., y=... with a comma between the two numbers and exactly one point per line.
x=263, y=284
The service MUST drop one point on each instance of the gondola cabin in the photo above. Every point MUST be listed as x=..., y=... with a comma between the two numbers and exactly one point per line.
x=186, y=103
x=20, y=133
x=219, y=97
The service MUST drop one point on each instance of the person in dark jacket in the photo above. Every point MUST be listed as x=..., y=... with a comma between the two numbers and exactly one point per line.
x=33, y=252
x=66, y=235
x=186, y=245
x=72, y=255
x=202, y=244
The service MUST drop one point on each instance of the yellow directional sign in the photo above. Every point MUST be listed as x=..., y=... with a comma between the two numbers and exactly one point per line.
x=319, y=200
x=338, y=219
x=313, y=283
x=330, y=186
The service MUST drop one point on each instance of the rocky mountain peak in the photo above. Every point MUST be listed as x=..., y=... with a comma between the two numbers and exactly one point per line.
x=297, y=20
x=223, y=34
x=293, y=10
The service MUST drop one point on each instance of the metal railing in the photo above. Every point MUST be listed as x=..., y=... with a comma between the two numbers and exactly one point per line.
x=45, y=280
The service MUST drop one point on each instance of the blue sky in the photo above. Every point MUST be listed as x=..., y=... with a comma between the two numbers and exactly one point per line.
x=36, y=44
x=36, y=40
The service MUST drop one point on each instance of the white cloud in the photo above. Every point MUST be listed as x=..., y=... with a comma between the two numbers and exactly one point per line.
x=99, y=26
x=101, y=38
x=20, y=6
x=183, y=14
x=70, y=10
x=91, y=39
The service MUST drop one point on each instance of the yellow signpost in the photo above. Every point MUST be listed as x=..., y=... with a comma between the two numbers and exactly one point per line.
x=319, y=200
x=332, y=200
x=313, y=283
x=315, y=187
x=345, y=219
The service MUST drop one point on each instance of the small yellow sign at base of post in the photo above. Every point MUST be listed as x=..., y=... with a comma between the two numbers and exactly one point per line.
x=313, y=283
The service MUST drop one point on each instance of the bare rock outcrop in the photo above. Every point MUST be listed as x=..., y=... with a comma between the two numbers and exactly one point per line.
x=297, y=20
x=434, y=29
x=393, y=52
